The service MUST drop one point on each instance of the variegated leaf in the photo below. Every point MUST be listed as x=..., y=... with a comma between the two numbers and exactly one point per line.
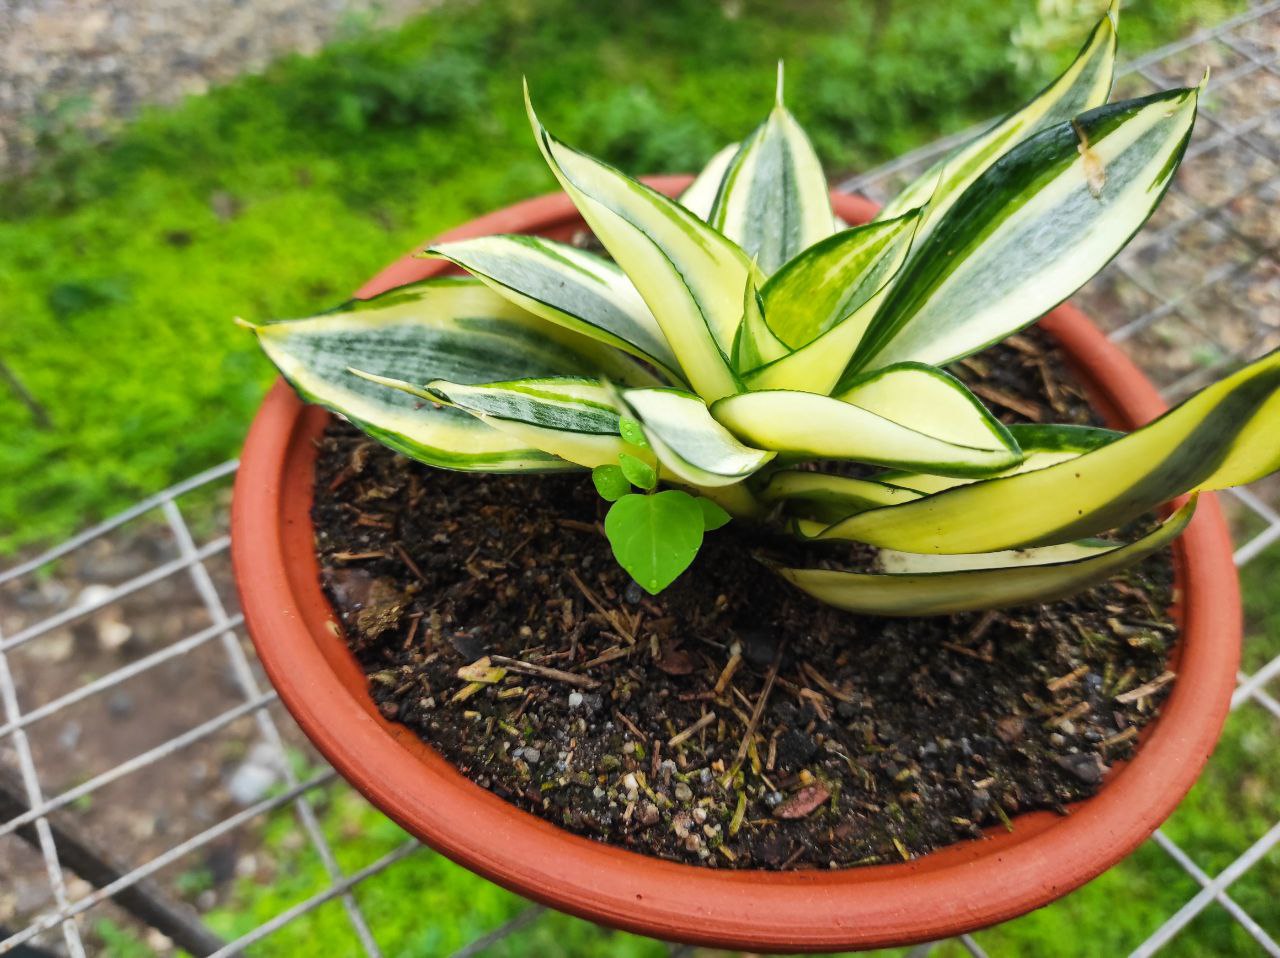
x=456, y=328
x=690, y=276
x=568, y=286
x=701, y=193
x=1223, y=436
x=1084, y=85
x=1031, y=230
x=755, y=343
x=773, y=199
x=1041, y=445
x=832, y=279
x=917, y=585
x=831, y=498
x=688, y=442
x=571, y=418
x=812, y=426
x=930, y=400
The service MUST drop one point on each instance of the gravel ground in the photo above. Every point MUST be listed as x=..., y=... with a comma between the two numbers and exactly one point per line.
x=90, y=63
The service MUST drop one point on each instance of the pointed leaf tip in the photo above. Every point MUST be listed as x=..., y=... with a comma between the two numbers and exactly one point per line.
x=778, y=92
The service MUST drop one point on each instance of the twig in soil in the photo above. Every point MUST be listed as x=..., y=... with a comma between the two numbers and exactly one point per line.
x=980, y=627
x=735, y=659
x=542, y=672
x=609, y=655
x=826, y=684
x=610, y=614
x=578, y=526
x=769, y=679
x=1078, y=710
x=1050, y=385
x=1120, y=738
x=1142, y=691
x=818, y=701
x=964, y=650
x=356, y=556
x=1029, y=409
x=1062, y=681
x=681, y=737
x=631, y=726
x=413, y=566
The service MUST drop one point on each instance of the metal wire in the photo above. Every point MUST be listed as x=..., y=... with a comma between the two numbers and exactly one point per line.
x=1222, y=135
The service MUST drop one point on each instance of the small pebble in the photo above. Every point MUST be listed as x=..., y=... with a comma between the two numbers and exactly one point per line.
x=575, y=699
x=683, y=792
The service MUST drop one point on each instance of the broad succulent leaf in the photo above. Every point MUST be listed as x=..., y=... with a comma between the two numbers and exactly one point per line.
x=1225, y=435
x=691, y=277
x=832, y=498
x=1041, y=445
x=755, y=344
x=568, y=286
x=688, y=442
x=914, y=585
x=700, y=195
x=807, y=425
x=829, y=281
x=817, y=366
x=929, y=400
x=1084, y=85
x=455, y=328
x=1031, y=230
x=570, y=418
x=773, y=199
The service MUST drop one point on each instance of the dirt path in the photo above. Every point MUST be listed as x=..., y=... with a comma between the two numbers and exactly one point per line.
x=89, y=63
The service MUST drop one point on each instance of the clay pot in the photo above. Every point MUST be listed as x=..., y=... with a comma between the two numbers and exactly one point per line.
x=960, y=888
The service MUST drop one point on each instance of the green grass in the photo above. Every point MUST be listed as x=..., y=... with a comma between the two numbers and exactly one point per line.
x=122, y=266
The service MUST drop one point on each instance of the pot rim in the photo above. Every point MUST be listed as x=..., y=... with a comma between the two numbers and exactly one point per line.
x=960, y=888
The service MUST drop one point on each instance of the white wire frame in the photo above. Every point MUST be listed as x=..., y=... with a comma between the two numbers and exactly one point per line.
x=226, y=625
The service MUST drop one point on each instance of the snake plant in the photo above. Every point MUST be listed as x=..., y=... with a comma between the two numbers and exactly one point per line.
x=738, y=335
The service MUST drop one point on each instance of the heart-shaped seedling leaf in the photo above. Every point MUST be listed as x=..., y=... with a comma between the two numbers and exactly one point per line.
x=610, y=482
x=655, y=537
x=713, y=517
x=637, y=471
x=632, y=433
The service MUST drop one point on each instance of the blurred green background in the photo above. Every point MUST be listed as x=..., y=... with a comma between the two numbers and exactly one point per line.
x=122, y=264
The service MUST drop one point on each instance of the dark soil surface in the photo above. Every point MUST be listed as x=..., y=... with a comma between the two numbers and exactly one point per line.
x=732, y=720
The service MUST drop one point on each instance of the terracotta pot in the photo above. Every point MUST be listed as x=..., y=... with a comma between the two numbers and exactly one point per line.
x=961, y=888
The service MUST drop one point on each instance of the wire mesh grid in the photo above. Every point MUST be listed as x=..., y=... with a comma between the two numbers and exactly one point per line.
x=1195, y=293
